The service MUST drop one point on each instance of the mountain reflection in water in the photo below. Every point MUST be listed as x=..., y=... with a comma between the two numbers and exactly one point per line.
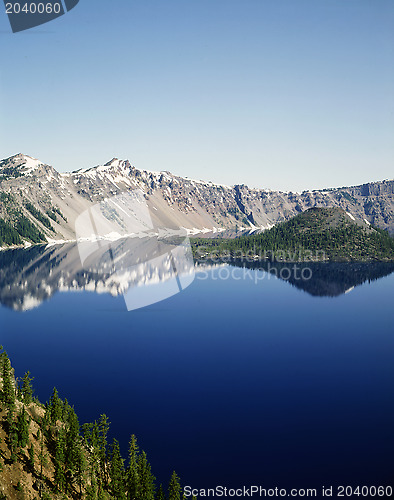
x=324, y=279
x=30, y=276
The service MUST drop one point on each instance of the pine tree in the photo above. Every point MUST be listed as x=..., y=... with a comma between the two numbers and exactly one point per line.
x=23, y=428
x=27, y=389
x=45, y=421
x=117, y=473
x=103, y=428
x=174, y=489
x=31, y=457
x=160, y=495
x=55, y=407
x=101, y=495
x=72, y=439
x=90, y=440
x=65, y=411
x=60, y=478
x=13, y=441
x=8, y=391
x=91, y=491
x=12, y=433
x=147, y=480
x=10, y=418
x=133, y=480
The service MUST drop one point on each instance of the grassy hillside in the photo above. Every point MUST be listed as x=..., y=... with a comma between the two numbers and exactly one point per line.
x=317, y=234
x=44, y=454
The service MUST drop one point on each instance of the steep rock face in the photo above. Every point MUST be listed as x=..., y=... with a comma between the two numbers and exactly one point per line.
x=25, y=180
x=225, y=206
x=174, y=201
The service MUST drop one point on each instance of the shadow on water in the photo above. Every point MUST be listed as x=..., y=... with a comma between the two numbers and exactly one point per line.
x=324, y=279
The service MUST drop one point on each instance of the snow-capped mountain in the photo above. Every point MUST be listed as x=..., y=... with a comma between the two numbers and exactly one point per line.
x=53, y=201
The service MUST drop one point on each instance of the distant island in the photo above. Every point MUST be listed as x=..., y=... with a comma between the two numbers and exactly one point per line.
x=316, y=235
x=44, y=453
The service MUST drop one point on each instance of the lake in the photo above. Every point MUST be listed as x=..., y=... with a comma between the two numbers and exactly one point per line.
x=243, y=378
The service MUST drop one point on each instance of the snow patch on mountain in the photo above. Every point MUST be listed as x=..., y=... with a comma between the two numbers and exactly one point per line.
x=350, y=215
x=31, y=164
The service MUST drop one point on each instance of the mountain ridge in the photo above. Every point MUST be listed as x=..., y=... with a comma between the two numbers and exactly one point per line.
x=111, y=162
x=174, y=201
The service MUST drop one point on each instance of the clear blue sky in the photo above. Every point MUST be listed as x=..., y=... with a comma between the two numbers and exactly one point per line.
x=281, y=94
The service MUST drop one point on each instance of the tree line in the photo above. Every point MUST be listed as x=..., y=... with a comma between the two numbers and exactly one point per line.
x=316, y=230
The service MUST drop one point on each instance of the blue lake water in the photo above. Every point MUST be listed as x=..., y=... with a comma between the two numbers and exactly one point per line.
x=240, y=379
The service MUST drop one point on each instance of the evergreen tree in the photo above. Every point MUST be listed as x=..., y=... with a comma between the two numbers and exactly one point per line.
x=8, y=391
x=27, y=389
x=174, y=489
x=13, y=441
x=80, y=466
x=101, y=495
x=147, y=480
x=103, y=428
x=55, y=407
x=90, y=441
x=23, y=423
x=10, y=418
x=91, y=491
x=12, y=433
x=31, y=457
x=72, y=439
x=65, y=411
x=160, y=495
x=60, y=477
x=117, y=473
x=45, y=421
x=133, y=480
